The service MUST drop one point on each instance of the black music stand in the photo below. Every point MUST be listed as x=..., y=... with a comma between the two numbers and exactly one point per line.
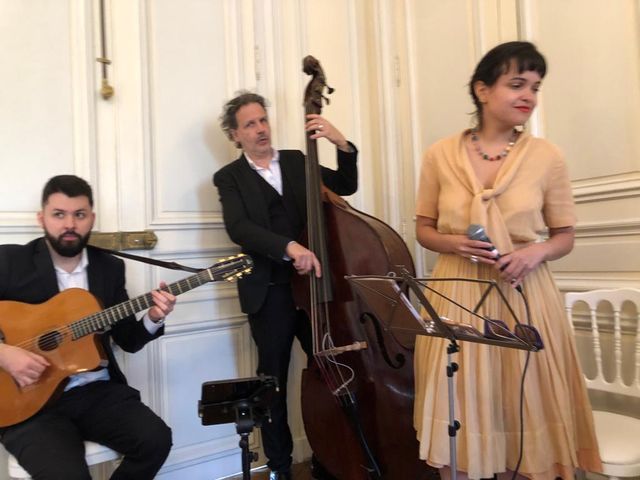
x=245, y=402
x=388, y=298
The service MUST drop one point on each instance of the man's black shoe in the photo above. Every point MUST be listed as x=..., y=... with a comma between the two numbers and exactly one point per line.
x=280, y=476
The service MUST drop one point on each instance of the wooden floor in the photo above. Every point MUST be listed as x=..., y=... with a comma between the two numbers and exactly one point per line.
x=300, y=471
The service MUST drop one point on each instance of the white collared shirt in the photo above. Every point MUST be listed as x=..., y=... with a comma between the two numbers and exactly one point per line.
x=273, y=174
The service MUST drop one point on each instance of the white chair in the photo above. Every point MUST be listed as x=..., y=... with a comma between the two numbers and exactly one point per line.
x=94, y=455
x=612, y=320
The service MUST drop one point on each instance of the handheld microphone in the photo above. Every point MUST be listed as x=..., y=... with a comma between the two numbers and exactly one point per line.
x=476, y=232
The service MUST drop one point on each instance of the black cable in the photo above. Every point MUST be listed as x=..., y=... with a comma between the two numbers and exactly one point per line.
x=524, y=373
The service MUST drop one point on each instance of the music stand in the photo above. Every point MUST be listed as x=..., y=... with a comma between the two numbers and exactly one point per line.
x=245, y=402
x=387, y=297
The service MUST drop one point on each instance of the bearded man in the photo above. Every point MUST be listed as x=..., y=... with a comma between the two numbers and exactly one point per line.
x=95, y=405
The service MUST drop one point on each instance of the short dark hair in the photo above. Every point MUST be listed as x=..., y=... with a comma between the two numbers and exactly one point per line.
x=499, y=60
x=228, y=120
x=70, y=185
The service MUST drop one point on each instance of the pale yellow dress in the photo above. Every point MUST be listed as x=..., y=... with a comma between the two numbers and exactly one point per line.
x=532, y=191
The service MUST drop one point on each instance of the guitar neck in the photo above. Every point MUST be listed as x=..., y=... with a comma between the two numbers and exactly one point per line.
x=106, y=318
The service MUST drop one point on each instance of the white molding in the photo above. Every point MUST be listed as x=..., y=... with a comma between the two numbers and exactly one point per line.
x=271, y=77
x=527, y=19
x=131, y=115
x=152, y=179
x=355, y=76
x=384, y=51
x=84, y=86
x=416, y=126
x=292, y=41
x=267, y=76
x=613, y=228
x=184, y=219
x=19, y=221
x=238, y=26
x=581, y=282
x=626, y=185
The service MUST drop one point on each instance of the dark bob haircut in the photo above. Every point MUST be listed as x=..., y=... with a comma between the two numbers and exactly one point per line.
x=499, y=60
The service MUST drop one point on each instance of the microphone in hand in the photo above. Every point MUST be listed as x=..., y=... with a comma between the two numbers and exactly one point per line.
x=476, y=232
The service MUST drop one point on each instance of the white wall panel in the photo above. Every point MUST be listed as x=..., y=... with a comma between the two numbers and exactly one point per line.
x=592, y=93
x=188, y=58
x=192, y=358
x=43, y=95
x=591, y=109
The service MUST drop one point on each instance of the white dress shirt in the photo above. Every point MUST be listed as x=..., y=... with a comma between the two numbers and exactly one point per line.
x=273, y=174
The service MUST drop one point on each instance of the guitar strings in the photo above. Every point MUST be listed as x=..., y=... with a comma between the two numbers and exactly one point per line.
x=233, y=267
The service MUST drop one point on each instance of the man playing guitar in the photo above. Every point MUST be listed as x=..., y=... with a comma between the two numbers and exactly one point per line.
x=95, y=405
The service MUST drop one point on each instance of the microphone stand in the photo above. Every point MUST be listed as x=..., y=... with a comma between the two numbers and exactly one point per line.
x=454, y=425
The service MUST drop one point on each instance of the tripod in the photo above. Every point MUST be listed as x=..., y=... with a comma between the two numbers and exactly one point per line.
x=245, y=402
x=387, y=297
x=244, y=426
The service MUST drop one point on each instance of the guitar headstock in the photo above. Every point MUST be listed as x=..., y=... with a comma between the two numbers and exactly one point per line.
x=313, y=94
x=231, y=268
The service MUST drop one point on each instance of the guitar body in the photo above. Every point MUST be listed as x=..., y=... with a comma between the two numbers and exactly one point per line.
x=66, y=328
x=44, y=329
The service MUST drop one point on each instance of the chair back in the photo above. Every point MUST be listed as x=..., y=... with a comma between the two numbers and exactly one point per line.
x=612, y=315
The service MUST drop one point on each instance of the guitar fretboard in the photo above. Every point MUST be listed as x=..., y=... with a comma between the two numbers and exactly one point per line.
x=101, y=320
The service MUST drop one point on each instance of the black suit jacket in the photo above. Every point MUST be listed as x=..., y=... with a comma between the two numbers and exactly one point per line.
x=246, y=216
x=27, y=275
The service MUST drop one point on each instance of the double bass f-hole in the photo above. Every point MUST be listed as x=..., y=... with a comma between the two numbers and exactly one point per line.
x=400, y=359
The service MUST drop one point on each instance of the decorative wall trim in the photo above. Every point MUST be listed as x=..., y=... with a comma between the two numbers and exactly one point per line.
x=229, y=322
x=580, y=283
x=239, y=334
x=385, y=52
x=608, y=229
x=83, y=90
x=19, y=221
x=615, y=187
x=186, y=220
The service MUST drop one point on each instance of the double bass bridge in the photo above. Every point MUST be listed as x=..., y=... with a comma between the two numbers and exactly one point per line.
x=353, y=347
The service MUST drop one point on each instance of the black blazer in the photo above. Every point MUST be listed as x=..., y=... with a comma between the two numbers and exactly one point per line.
x=27, y=275
x=246, y=217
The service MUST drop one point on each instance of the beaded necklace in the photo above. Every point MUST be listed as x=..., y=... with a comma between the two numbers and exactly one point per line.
x=502, y=154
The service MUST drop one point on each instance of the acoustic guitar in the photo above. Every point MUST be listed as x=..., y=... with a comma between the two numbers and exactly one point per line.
x=65, y=331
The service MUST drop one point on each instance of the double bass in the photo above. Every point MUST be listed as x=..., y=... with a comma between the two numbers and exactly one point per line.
x=357, y=392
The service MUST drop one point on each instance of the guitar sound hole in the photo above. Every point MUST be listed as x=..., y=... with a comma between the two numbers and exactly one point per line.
x=50, y=341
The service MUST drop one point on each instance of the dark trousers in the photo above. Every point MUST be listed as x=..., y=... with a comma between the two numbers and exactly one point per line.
x=273, y=328
x=50, y=445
